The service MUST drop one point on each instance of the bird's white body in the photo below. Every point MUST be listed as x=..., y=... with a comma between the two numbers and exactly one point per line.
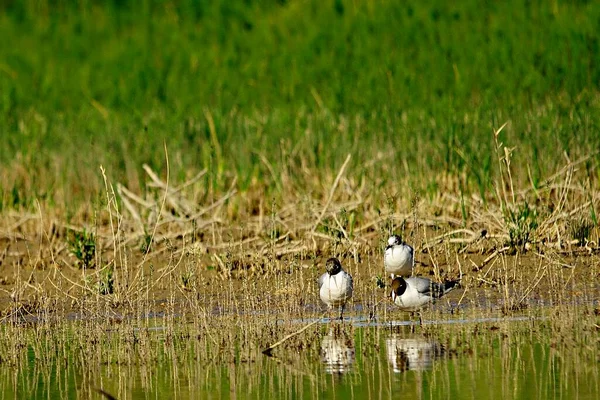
x=412, y=353
x=337, y=353
x=398, y=257
x=336, y=289
x=412, y=294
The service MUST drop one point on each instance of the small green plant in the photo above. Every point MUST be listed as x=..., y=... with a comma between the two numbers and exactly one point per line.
x=187, y=279
x=106, y=283
x=82, y=244
x=146, y=242
x=521, y=223
x=340, y=226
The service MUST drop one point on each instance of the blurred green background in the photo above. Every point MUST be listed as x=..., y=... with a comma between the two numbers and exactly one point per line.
x=411, y=89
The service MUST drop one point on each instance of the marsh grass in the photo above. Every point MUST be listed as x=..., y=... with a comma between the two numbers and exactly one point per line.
x=196, y=246
x=189, y=234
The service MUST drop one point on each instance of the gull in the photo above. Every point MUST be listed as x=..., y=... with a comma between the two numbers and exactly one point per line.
x=412, y=353
x=399, y=257
x=335, y=285
x=337, y=352
x=412, y=294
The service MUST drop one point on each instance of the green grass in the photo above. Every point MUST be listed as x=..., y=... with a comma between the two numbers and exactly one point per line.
x=236, y=86
x=82, y=246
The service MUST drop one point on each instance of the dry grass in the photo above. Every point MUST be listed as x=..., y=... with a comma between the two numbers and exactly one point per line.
x=174, y=278
x=175, y=243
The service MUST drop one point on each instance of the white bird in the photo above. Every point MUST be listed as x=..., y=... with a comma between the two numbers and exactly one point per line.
x=411, y=294
x=335, y=285
x=337, y=352
x=415, y=353
x=399, y=257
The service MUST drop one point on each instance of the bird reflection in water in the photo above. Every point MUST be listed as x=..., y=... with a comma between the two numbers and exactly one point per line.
x=415, y=354
x=337, y=351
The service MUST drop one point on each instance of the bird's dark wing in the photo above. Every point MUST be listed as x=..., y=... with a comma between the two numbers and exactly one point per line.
x=449, y=285
x=426, y=286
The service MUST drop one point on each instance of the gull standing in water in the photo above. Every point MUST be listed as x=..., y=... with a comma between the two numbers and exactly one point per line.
x=411, y=294
x=335, y=285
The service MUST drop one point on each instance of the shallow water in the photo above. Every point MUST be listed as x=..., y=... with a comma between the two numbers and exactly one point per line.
x=487, y=358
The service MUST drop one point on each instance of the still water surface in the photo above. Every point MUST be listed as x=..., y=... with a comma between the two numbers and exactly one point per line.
x=492, y=359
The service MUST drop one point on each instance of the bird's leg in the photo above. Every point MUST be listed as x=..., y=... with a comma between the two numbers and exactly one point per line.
x=342, y=312
x=420, y=318
x=412, y=323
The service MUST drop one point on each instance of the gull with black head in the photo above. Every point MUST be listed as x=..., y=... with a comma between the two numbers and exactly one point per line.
x=335, y=285
x=399, y=257
x=412, y=294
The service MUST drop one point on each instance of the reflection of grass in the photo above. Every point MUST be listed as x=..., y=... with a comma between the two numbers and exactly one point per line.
x=489, y=357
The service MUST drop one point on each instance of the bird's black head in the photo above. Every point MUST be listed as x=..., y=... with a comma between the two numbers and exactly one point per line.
x=333, y=266
x=398, y=287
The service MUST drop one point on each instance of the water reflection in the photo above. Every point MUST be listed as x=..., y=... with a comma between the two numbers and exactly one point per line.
x=337, y=351
x=415, y=353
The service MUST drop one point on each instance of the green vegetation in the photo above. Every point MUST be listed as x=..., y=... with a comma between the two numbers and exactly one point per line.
x=82, y=245
x=106, y=282
x=521, y=224
x=581, y=229
x=175, y=174
x=259, y=90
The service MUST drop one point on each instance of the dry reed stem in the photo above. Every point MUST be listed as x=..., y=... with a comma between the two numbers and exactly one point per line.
x=269, y=349
x=331, y=193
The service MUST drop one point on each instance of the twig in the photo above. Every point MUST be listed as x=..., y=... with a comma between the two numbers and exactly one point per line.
x=491, y=283
x=274, y=175
x=214, y=205
x=177, y=203
x=130, y=208
x=124, y=191
x=554, y=261
x=440, y=239
x=269, y=349
x=492, y=256
x=372, y=315
x=105, y=394
x=195, y=179
x=566, y=168
x=331, y=192
x=162, y=205
x=530, y=288
x=462, y=297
